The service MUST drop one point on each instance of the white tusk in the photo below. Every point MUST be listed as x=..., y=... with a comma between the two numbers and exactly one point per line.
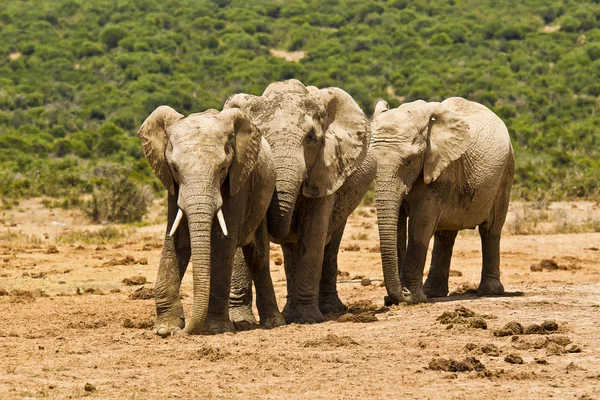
x=178, y=218
x=222, y=221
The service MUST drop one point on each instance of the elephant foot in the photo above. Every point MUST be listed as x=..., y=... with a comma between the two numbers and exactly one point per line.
x=165, y=327
x=413, y=296
x=272, y=320
x=490, y=287
x=331, y=304
x=215, y=325
x=303, y=315
x=392, y=299
x=242, y=315
x=437, y=288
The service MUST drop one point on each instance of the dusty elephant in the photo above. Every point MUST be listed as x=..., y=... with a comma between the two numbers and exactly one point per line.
x=445, y=167
x=320, y=141
x=216, y=167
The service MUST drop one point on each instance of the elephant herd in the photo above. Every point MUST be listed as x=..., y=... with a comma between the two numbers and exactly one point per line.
x=289, y=167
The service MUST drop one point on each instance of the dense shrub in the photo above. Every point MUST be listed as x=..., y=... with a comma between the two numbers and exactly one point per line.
x=77, y=78
x=119, y=199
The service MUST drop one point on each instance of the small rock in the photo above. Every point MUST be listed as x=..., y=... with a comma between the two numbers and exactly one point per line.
x=478, y=323
x=513, y=359
x=143, y=261
x=550, y=326
x=134, y=280
x=3, y=292
x=534, y=329
x=574, y=349
x=52, y=250
x=365, y=282
x=470, y=346
x=541, y=361
x=559, y=339
x=512, y=328
x=553, y=349
x=88, y=387
x=491, y=350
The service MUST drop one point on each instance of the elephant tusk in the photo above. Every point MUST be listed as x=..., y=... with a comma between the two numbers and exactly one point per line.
x=222, y=221
x=178, y=218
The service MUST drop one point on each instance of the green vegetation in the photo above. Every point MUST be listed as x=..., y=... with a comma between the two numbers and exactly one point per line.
x=78, y=77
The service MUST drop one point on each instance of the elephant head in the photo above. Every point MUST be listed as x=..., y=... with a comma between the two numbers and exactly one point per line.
x=417, y=140
x=198, y=159
x=318, y=138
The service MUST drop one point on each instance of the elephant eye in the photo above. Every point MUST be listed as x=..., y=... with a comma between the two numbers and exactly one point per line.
x=311, y=137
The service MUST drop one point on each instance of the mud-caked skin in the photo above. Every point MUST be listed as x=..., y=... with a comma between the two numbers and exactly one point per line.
x=320, y=142
x=220, y=175
x=442, y=167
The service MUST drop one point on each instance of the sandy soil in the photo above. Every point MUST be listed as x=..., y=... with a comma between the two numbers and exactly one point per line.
x=70, y=329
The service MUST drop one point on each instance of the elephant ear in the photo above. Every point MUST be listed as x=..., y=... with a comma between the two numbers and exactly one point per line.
x=346, y=140
x=153, y=135
x=247, y=139
x=241, y=100
x=381, y=106
x=448, y=138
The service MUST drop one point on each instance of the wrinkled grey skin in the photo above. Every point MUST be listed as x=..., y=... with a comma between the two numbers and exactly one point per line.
x=319, y=139
x=445, y=166
x=210, y=161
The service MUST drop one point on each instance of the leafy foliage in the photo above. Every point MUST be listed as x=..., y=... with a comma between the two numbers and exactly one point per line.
x=77, y=77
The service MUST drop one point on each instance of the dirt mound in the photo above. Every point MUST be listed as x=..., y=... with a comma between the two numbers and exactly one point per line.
x=331, y=340
x=143, y=293
x=511, y=328
x=90, y=323
x=551, y=265
x=362, y=306
x=451, y=365
x=363, y=317
x=515, y=328
x=127, y=260
x=137, y=324
x=211, y=353
x=134, y=280
x=462, y=316
x=465, y=288
x=513, y=359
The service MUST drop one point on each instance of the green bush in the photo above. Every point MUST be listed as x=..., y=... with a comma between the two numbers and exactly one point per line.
x=119, y=199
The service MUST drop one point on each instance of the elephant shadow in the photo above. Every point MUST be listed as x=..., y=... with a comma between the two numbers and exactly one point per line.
x=471, y=295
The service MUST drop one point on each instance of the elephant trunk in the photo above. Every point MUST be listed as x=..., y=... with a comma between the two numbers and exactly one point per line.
x=200, y=211
x=281, y=208
x=389, y=193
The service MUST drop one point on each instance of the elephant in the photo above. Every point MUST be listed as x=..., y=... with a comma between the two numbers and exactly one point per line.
x=220, y=175
x=445, y=167
x=320, y=142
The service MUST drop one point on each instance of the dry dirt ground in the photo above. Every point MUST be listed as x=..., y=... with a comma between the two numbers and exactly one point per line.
x=71, y=329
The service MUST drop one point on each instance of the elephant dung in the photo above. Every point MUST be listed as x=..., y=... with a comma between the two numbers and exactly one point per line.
x=450, y=365
x=513, y=359
x=512, y=328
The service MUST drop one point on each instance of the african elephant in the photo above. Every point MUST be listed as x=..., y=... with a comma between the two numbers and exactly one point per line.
x=445, y=166
x=216, y=167
x=320, y=141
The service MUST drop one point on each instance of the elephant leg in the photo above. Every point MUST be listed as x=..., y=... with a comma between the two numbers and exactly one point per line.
x=257, y=256
x=347, y=198
x=436, y=284
x=240, y=295
x=329, y=302
x=222, y=255
x=174, y=260
x=490, y=231
x=313, y=227
x=421, y=226
x=290, y=262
